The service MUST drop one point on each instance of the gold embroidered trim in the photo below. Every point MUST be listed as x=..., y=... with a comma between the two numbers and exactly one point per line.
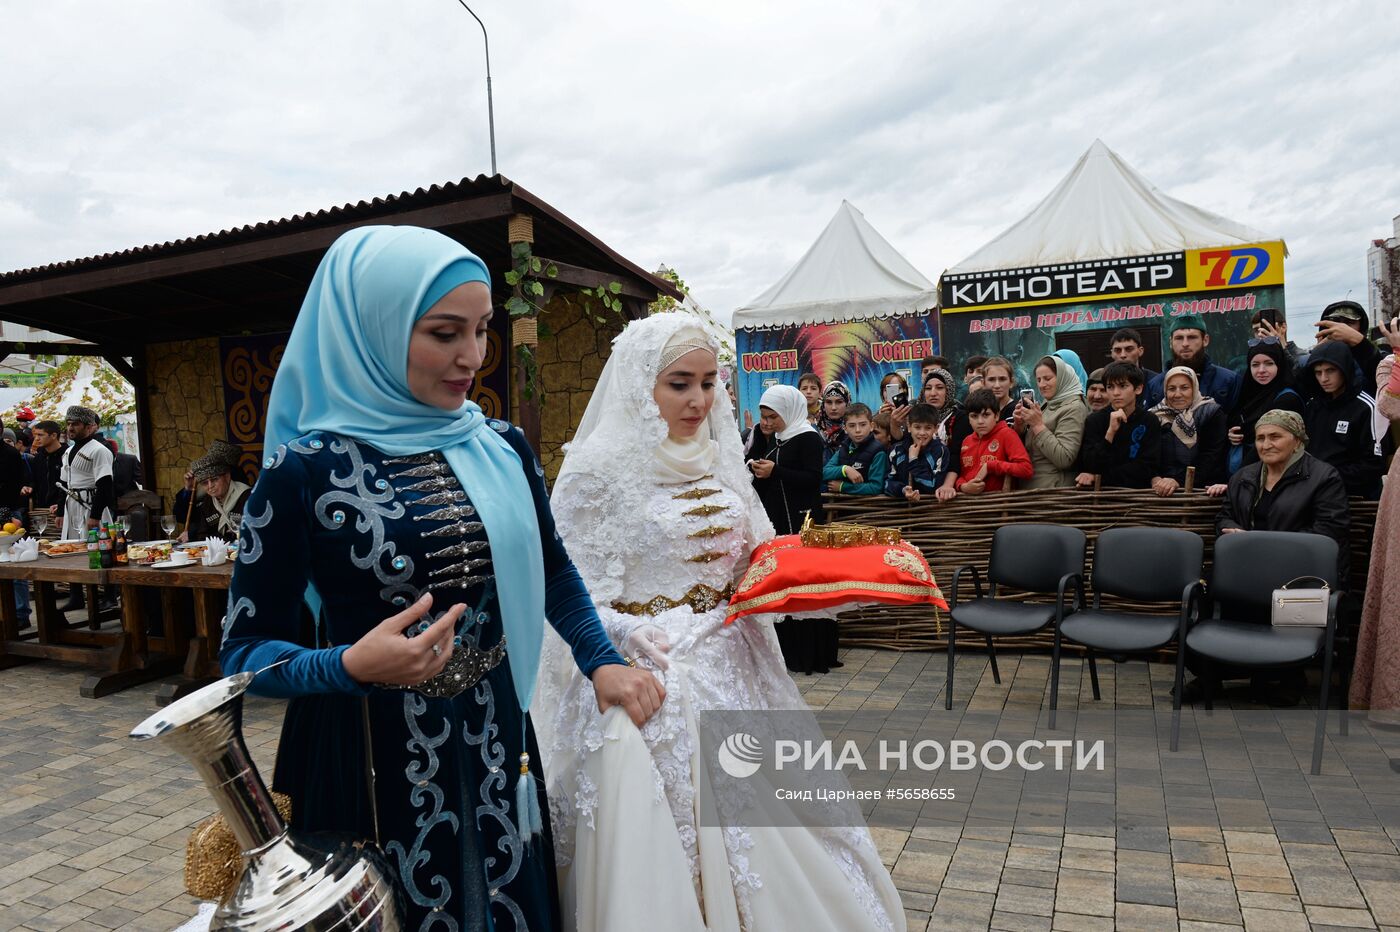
x=708, y=556
x=704, y=511
x=820, y=588
x=701, y=598
x=902, y=559
x=708, y=532
x=759, y=572
x=696, y=494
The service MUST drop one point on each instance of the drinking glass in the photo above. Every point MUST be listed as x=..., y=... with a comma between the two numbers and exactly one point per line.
x=124, y=522
x=167, y=524
x=41, y=523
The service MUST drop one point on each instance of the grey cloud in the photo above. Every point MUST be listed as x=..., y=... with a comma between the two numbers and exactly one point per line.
x=717, y=138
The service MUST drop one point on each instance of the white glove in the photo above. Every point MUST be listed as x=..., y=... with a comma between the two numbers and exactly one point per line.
x=649, y=641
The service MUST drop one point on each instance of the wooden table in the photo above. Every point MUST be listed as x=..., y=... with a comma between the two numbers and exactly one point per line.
x=129, y=656
x=209, y=587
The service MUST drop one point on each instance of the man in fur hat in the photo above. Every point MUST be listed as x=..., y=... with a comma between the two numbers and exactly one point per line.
x=219, y=509
x=86, y=475
x=85, y=481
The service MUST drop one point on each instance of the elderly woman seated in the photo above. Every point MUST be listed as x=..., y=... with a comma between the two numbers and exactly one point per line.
x=219, y=510
x=1289, y=489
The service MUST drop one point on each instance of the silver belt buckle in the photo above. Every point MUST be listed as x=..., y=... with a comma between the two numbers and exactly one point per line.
x=464, y=670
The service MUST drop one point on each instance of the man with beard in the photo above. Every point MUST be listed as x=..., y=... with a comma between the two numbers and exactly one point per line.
x=85, y=478
x=1190, y=339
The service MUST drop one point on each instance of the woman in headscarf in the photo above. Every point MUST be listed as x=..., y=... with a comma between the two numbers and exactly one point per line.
x=1072, y=359
x=1289, y=489
x=836, y=398
x=1053, y=432
x=788, y=479
x=941, y=394
x=1193, y=434
x=419, y=534
x=656, y=505
x=1268, y=386
x=787, y=470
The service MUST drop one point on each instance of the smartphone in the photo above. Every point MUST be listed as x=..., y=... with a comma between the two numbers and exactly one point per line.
x=1027, y=396
x=900, y=399
x=1269, y=315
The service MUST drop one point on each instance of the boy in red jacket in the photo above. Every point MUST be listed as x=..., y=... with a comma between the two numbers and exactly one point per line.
x=992, y=451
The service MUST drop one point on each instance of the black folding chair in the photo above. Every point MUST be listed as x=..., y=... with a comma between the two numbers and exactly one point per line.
x=1248, y=567
x=1034, y=557
x=1141, y=563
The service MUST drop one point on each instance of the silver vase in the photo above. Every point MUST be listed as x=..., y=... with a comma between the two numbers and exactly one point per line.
x=315, y=881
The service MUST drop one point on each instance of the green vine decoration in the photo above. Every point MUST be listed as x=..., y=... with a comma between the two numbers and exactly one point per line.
x=525, y=279
x=108, y=393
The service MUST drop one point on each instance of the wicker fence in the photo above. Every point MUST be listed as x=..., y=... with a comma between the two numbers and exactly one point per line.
x=952, y=534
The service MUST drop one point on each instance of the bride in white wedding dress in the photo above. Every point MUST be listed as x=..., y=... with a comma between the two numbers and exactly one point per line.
x=658, y=512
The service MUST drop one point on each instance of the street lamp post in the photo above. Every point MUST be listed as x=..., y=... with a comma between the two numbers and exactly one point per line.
x=490, y=105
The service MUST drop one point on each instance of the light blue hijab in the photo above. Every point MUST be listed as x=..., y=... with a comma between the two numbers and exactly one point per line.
x=345, y=372
x=1071, y=359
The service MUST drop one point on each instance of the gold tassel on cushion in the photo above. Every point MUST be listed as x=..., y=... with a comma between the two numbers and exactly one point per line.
x=213, y=862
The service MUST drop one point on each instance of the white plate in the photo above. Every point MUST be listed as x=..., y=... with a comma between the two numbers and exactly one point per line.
x=171, y=564
x=151, y=543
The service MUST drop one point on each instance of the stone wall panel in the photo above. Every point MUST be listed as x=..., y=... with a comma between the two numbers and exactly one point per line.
x=187, y=408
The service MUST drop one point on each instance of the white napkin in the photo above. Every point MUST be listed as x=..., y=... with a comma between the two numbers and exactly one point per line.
x=215, y=551
x=24, y=550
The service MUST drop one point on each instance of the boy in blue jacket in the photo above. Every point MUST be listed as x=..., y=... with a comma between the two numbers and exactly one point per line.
x=919, y=462
x=860, y=465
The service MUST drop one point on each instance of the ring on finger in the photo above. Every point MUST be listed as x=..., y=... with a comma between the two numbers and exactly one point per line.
x=437, y=650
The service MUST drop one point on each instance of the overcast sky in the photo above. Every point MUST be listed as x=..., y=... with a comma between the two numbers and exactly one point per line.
x=716, y=137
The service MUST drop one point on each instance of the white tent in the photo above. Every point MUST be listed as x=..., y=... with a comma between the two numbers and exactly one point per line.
x=850, y=273
x=1104, y=209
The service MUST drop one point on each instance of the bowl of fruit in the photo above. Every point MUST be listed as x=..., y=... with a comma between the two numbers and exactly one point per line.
x=10, y=532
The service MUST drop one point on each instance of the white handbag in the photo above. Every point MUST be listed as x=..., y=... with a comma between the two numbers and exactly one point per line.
x=1290, y=607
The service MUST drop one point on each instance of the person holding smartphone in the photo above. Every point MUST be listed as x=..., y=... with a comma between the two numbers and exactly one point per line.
x=1053, y=432
x=894, y=401
x=1271, y=322
x=1346, y=322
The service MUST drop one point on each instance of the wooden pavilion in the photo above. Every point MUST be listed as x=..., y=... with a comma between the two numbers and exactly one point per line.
x=198, y=325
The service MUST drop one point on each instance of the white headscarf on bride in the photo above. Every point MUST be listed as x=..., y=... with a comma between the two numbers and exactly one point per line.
x=622, y=434
x=613, y=467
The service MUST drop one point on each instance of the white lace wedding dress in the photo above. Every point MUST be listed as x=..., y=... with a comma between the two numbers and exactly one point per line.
x=624, y=802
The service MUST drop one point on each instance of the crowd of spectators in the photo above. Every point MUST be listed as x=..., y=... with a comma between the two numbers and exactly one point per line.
x=1283, y=443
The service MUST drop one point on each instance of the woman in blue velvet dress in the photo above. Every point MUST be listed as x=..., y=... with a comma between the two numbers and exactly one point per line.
x=419, y=534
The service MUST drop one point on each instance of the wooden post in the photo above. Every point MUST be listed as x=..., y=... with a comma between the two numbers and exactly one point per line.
x=1190, y=479
x=521, y=229
x=138, y=373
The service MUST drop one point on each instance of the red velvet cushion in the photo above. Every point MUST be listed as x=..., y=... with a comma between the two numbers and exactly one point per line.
x=785, y=577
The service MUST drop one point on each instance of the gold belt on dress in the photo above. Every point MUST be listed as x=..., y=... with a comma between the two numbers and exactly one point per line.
x=464, y=669
x=701, y=598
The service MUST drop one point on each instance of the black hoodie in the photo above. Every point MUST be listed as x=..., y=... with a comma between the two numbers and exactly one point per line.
x=1342, y=430
x=1366, y=354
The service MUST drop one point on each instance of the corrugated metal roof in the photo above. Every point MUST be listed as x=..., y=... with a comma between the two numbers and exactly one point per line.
x=252, y=278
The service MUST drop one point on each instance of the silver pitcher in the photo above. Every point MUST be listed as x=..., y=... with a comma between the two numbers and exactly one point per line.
x=315, y=881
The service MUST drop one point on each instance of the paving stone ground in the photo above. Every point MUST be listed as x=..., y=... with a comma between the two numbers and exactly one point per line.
x=93, y=825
